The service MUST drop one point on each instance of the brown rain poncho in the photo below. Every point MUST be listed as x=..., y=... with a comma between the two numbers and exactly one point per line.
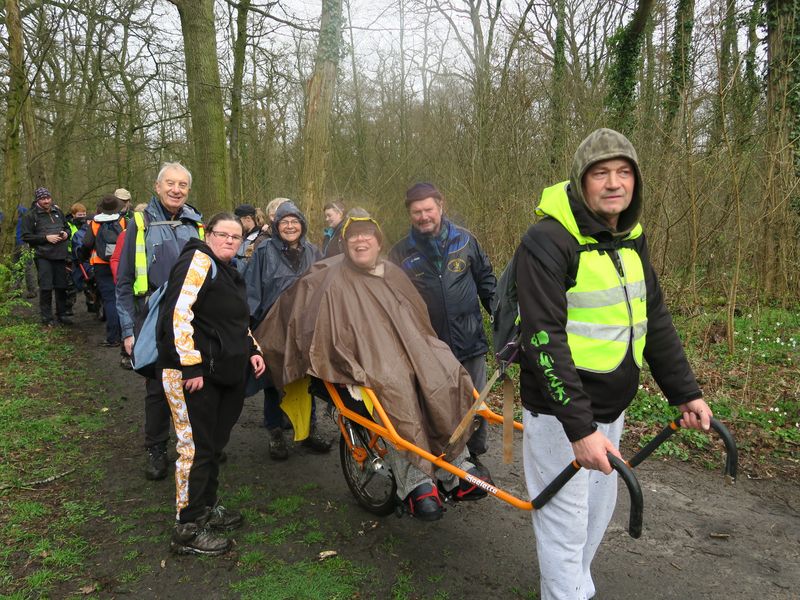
x=348, y=326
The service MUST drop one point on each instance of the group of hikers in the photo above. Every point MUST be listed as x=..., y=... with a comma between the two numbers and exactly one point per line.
x=252, y=304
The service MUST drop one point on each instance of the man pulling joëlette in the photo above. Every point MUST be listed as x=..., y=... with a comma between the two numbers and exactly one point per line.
x=583, y=342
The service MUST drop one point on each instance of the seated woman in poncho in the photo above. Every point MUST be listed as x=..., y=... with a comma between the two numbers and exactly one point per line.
x=356, y=319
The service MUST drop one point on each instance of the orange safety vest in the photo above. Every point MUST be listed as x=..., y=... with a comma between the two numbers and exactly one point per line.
x=95, y=259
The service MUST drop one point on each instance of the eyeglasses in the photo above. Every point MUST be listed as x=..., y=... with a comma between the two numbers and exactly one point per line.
x=228, y=236
x=287, y=222
x=361, y=235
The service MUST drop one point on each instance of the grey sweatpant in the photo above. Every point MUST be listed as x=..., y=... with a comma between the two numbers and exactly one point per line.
x=408, y=476
x=571, y=526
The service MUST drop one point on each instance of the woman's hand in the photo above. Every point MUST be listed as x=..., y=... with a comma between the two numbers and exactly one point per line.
x=258, y=365
x=194, y=384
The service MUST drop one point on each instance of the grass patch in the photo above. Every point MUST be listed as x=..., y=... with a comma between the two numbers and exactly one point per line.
x=42, y=430
x=285, y=506
x=282, y=534
x=333, y=579
x=250, y=561
x=403, y=587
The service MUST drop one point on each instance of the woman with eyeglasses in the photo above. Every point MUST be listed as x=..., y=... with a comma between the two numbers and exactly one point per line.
x=274, y=267
x=205, y=350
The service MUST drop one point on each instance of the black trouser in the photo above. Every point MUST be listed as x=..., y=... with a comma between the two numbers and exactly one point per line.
x=52, y=276
x=212, y=412
x=156, y=413
x=156, y=410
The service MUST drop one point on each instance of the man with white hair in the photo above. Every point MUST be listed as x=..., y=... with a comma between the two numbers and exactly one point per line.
x=153, y=241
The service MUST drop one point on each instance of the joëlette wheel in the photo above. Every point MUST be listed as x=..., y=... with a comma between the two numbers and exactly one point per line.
x=374, y=491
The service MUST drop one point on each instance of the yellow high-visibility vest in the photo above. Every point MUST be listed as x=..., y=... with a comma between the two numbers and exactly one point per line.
x=607, y=306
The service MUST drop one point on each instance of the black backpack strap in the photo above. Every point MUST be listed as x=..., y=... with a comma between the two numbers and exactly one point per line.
x=603, y=247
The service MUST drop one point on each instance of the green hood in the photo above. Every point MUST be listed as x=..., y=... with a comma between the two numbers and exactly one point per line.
x=605, y=144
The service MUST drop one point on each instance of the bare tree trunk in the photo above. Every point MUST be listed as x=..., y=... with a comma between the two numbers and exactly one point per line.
x=558, y=96
x=235, y=123
x=625, y=48
x=726, y=71
x=14, y=103
x=358, y=111
x=783, y=27
x=210, y=171
x=316, y=133
x=681, y=63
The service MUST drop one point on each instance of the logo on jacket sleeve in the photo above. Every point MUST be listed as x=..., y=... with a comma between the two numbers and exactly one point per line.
x=456, y=265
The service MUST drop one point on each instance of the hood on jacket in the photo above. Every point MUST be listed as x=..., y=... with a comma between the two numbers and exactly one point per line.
x=284, y=210
x=104, y=218
x=606, y=144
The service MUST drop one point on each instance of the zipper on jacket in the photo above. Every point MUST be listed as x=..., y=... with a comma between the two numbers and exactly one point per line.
x=622, y=279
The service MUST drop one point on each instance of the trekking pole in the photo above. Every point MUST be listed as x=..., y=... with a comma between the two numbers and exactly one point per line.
x=732, y=454
x=626, y=473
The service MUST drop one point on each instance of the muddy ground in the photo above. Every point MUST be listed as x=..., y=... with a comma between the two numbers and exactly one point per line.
x=701, y=539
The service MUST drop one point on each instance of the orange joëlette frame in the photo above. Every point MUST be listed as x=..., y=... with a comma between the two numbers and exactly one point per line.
x=386, y=430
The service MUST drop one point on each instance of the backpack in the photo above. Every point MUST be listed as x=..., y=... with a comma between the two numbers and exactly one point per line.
x=77, y=242
x=106, y=238
x=506, y=329
x=145, y=349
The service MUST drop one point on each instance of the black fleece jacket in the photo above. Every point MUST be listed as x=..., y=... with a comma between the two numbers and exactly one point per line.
x=592, y=397
x=203, y=328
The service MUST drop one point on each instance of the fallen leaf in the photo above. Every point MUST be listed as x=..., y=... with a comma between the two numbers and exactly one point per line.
x=164, y=564
x=88, y=589
x=327, y=554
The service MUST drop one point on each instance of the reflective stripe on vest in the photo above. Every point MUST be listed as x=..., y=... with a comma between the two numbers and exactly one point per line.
x=606, y=310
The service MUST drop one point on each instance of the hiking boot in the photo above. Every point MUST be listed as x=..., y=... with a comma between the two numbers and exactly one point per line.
x=156, y=463
x=125, y=363
x=223, y=457
x=108, y=344
x=315, y=442
x=277, y=445
x=198, y=538
x=424, y=503
x=47, y=322
x=470, y=491
x=224, y=519
x=64, y=320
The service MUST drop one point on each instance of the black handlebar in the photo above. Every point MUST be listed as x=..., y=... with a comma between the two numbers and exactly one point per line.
x=732, y=454
x=625, y=470
x=634, y=489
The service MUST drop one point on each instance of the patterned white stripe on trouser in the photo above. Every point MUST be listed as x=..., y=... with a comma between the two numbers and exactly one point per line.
x=172, y=381
x=571, y=526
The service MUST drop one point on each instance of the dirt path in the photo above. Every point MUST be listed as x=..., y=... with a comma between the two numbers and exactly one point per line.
x=701, y=539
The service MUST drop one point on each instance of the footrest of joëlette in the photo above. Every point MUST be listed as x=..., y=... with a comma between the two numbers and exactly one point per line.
x=317, y=389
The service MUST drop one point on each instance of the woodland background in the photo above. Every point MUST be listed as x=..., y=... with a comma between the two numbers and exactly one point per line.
x=489, y=99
